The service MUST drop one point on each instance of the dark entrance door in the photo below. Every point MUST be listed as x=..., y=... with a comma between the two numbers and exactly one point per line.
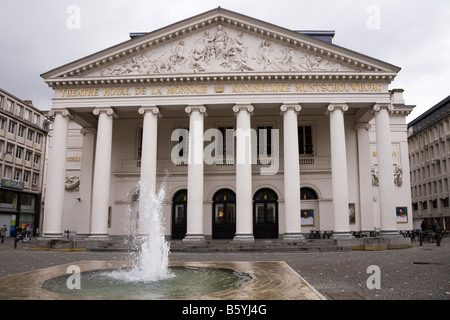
x=179, y=214
x=224, y=214
x=265, y=214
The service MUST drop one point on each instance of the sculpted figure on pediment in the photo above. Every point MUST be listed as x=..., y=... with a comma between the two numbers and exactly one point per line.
x=217, y=51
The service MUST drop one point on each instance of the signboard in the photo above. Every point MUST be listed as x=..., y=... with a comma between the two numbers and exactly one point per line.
x=12, y=184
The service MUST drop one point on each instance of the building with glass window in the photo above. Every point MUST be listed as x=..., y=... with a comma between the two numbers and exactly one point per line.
x=23, y=139
x=255, y=131
x=429, y=155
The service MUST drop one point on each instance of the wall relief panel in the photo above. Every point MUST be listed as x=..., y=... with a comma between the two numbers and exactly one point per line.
x=220, y=49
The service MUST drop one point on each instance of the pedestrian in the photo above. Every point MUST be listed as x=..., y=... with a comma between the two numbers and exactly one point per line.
x=3, y=232
x=435, y=226
x=422, y=225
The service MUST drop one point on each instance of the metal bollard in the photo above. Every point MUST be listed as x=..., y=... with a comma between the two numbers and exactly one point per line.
x=420, y=239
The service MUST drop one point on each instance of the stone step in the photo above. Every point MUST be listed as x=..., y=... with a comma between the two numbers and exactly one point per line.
x=307, y=245
x=111, y=245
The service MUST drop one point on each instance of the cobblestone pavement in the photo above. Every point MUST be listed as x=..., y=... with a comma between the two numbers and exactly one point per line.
x=418, y=273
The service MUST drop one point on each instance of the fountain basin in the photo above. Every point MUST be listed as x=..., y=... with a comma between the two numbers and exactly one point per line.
x=271, y=280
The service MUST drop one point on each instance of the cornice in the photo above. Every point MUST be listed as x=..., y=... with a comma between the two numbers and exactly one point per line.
x=384, y=77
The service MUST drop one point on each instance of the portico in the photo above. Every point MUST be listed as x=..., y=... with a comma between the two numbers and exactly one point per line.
x=234, y=137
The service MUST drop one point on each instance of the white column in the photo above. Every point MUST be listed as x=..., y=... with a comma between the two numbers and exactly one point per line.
x=86, y=173
x=56, y=176
x=291, y=173
x=339, y=171
x=244, y=197
x=102, y=173
x=365, y=177
x=147, y=187
x=149, y=146
x=194, y=230
x=385, y=171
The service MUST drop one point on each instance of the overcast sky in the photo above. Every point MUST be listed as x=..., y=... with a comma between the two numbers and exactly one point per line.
x=39, y=35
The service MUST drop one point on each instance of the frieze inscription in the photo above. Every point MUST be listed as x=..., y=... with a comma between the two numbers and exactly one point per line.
x=203, y=89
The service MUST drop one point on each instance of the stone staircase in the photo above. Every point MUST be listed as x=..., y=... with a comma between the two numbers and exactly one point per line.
x=120, y=245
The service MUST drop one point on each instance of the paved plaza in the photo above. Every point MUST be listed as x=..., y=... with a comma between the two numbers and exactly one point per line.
x=417, y=273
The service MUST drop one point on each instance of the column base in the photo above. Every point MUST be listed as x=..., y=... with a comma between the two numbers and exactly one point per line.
x=293, y=237
x=194, y=238
x=247, y=237
x=49, y=235
x=389, y=234
x=342, y=235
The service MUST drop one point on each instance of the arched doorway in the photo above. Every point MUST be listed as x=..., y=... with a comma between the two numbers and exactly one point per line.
x=224, y=214
x=179, y=214
x=265, y=218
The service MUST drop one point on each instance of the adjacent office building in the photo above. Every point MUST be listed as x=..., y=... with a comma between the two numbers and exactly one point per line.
x=429, y=156
x=23, y=138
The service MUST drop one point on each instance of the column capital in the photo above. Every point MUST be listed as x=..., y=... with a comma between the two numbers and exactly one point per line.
x=333, y=106
x=286, y=106
x=200, y=108
x=379, y=106
x=109, y=111
x=62, y=111
x=152, y=108
x=243, y=107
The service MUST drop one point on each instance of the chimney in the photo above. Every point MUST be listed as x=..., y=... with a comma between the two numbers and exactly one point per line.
x=30, y=102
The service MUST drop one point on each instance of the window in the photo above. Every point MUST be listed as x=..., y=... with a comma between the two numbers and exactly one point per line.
x=424, y=205
x=30, y=135
x=305, y=144
x=264, y=146
x=37, y=159
x=435, y=203
x=181, y=149
x=28, y=155
x=38, y=137
x=36, y=118
x=21, y=132
x=12, y=127
x=26, y=176
x=19, y=110
x=27, y=114
x=8, y=172
x=226, y=145
x=19, y=152
x=35, y=178
x=8, y=105
x=8, y=199
x=308, y=194
x=17, y=174
x=2, y=123
x=27, y=202
x=9, y=149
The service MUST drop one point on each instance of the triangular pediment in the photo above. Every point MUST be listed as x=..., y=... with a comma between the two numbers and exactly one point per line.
x=220, y=42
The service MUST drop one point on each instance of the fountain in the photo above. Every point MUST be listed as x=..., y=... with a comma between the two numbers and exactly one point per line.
x=153, y=255
x=148, y=275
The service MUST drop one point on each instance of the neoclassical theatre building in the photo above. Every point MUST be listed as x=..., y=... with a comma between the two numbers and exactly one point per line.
x=255, y=131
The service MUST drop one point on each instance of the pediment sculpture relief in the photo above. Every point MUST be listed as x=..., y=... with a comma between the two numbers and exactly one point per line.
x=219, y=50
